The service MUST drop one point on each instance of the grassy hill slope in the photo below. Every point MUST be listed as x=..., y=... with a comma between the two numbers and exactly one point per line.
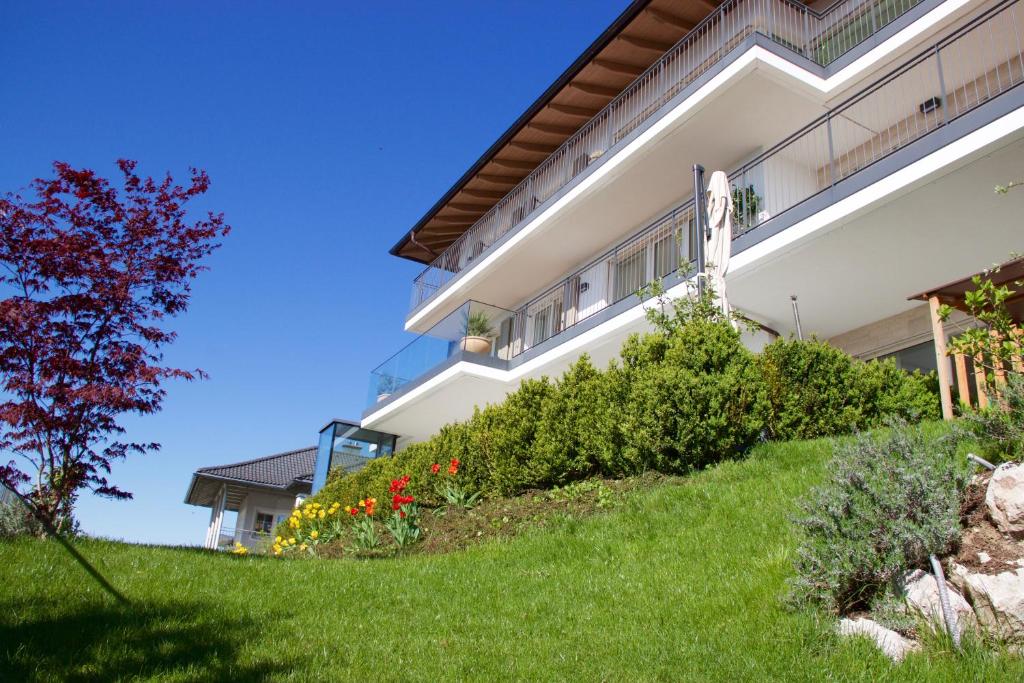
x=683, y=582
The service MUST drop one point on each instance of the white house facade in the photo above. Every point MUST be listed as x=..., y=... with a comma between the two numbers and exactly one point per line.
x=862, y=140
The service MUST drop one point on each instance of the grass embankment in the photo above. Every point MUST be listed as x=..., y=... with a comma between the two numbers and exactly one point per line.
x=681, y=582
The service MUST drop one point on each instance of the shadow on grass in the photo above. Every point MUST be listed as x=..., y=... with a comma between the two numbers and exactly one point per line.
x=112, y=642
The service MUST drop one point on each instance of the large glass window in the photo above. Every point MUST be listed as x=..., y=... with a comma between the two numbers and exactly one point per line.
x=347, y=446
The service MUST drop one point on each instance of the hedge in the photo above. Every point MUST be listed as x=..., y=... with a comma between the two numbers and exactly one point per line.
x=683, y=397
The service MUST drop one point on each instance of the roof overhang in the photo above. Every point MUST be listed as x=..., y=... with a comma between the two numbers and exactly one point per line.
x=204, y=487
x=952, y=293
x=635, y=40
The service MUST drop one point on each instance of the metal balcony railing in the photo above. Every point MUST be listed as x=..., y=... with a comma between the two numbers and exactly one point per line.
x=821, y=37
x=956, y=75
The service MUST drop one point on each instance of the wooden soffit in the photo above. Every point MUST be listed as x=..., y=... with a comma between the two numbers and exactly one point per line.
x=634, y=41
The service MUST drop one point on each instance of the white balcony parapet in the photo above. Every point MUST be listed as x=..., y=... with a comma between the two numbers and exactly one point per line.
x=820, y=37
x=956, y=75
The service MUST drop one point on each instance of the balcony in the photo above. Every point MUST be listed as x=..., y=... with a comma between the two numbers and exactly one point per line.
x=939, y=95
x=820, y=37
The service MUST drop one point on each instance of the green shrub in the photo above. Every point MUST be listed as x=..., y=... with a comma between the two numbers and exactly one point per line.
x=683, y=397
x=889, y=502
x=695, y=397
x=15, y=520
x=1000, y=428
x=818, y=390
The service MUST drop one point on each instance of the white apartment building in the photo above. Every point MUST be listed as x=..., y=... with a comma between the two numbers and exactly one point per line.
x=862, y=138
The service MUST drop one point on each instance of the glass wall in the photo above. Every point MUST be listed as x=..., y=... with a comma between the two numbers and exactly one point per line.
x=474, y=327
x=347, y=446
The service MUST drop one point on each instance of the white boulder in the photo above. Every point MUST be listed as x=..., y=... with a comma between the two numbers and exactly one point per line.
x=891, y=643
x=998, y=600
x=921, y=593
x=1005, y=498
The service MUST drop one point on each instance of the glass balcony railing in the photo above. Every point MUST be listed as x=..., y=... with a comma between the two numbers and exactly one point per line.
x=474, y=328
x=821, y=37
x=970, y=67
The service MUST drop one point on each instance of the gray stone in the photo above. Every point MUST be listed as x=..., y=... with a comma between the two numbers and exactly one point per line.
x=998, y=600
x=891, y=643
x=1005, y=498
x=921, y=593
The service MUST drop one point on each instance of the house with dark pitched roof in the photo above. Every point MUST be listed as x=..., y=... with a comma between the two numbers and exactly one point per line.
x=260, y=493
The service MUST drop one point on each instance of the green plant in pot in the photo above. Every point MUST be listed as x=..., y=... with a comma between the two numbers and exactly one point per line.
x=479, y=333
x=746, y=204
x=386, y=385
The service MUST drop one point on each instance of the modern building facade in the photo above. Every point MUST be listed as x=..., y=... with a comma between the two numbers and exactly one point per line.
x=862, y=139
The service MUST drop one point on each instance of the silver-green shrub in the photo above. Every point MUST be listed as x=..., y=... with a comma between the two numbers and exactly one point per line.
x=890, y=501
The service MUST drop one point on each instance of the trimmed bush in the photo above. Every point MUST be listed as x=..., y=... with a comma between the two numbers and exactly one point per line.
x=817, y=390
x=889, y=503
x=694, y=397
x=685, y=396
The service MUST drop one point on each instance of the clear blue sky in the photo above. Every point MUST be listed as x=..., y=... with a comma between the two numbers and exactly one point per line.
x=328, y=129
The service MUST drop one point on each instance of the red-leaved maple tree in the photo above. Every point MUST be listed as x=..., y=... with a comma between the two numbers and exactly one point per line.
x=90, y=275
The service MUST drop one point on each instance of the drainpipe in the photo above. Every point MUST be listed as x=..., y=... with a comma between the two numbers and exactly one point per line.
x=412, y=238
x=701, y=219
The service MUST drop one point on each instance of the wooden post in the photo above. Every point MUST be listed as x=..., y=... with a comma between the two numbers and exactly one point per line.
x=1000, y=371
x=1018, y=362
x=980, y=383
x=939, y=337
x=961, y=380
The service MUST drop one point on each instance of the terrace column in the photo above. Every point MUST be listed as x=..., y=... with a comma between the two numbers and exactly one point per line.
x=939, y=336
x=216, y=518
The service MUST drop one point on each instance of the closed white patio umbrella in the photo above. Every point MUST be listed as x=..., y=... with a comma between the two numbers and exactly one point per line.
x=719, y=243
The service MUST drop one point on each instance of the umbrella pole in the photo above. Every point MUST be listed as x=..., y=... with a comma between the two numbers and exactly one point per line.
x=701, y=217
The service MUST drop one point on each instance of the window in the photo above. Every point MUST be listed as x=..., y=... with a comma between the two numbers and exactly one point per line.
x=918, y=357
x=666, y=256
x=630, y=274
x=264, y=523
x=546, y=322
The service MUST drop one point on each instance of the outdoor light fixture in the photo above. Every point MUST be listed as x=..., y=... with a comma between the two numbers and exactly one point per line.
x=930, y=105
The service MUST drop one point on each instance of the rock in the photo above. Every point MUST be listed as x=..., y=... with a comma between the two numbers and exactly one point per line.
x=998, y=600
x=891, y=643
x=983, y=557
x=1005, y=498
x=921, y=592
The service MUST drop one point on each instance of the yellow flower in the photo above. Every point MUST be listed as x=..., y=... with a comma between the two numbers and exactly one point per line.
x=291, y=540
x=277, y=540
x=321, y=514
x=303, y=546
x=362, y=503
x=348, y=508
x=314, y=534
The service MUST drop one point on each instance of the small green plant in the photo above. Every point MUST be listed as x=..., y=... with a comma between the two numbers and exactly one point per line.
x=1000, y=427
x=387, y=384
x=890, y=502
x=451, y=491
x=479, y=325
x=997, y=345
x=603, y=494
x=746, y=205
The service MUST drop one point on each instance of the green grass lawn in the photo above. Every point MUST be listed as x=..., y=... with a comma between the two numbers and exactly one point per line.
x=683, y=582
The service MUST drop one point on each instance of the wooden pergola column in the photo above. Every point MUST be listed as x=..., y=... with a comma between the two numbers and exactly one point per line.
x=939, y=336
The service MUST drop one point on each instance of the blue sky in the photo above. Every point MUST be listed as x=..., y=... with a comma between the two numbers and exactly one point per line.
x=328, y=129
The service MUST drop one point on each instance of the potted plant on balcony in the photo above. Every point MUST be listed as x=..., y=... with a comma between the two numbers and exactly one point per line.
x=479, y=333
x=746, y=205
x=386, y=385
